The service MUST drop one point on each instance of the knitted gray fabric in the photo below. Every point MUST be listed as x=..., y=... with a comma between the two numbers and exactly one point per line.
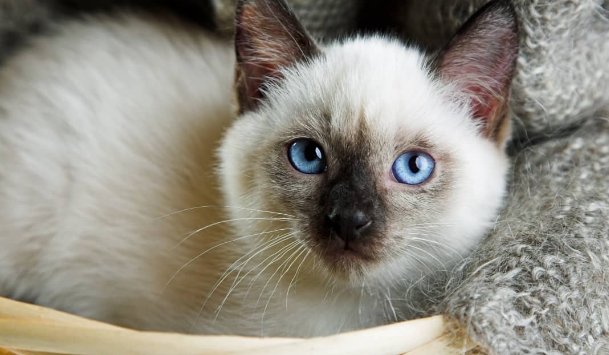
x=327, y=18
x=322, y=18
x=539, y=283
x=563, y=70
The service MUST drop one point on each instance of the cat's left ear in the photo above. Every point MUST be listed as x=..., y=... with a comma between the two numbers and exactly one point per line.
x=268, y=38
x=481, y=60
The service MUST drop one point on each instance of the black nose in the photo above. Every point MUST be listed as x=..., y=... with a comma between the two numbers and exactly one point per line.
x=349, y=226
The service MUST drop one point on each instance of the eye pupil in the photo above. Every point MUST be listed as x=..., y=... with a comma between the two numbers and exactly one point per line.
x=307, y=156
x=413, y=168
x=312, y=152
x=413, y=164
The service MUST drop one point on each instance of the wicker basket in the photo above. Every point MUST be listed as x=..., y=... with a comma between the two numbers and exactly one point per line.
x=33, y=330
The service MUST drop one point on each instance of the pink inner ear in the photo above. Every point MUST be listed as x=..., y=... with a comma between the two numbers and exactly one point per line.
x=484, y=104
x=481, y=59
x=257, y=64
x=488, y=86
x=269, y=38
x=485, y=75
x=259, y=73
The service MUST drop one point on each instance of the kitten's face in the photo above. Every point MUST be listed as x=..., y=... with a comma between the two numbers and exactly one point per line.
x=376, y=168
x=363, y=105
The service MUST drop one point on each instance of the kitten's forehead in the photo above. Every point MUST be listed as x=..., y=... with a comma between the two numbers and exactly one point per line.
x=368, y=88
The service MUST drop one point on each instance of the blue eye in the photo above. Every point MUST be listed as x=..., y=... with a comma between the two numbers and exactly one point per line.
x=307, y=157
x=413, y=168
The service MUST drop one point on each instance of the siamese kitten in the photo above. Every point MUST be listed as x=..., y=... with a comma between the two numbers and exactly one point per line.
x=130, y=191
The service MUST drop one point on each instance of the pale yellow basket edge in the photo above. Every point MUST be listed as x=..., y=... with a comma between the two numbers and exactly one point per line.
x=28, y=329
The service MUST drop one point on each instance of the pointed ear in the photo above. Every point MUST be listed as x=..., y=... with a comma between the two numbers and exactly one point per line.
x=480, y=60
x=268, y=38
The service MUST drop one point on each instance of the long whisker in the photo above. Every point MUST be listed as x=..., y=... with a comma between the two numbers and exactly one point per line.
x=422, y=250
x=264, y=268
x=238, y=280
x=431, y=224
x=294, y=278
x=284, y=271
x=214, y=247
x=227, y=221
x=330, y=292
x=230, y=269
x=287, y=248
x=220, y=206
x=361, y=298
x=391, y=307
x=416, y=258
x=436, y=243
x=294, y=244
x=254, y=252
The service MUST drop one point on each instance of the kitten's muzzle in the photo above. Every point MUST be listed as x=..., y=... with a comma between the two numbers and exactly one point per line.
x=351, y=215
x=348, y=225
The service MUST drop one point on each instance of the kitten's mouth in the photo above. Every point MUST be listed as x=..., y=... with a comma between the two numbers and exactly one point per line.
x=351, y=248
x=348, y=256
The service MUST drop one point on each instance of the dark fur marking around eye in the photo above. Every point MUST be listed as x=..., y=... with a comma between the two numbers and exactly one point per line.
x=350, y=191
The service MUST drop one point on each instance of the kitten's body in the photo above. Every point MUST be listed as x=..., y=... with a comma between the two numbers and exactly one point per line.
x=109, y=130
x=130, y=119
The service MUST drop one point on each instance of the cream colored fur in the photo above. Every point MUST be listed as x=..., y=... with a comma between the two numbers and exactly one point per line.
x=111, y=191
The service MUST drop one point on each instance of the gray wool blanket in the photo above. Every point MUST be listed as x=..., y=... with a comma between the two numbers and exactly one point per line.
x=537, y=284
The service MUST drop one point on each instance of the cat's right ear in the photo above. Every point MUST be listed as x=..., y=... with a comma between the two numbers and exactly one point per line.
x=268, y=37
x=481, y=61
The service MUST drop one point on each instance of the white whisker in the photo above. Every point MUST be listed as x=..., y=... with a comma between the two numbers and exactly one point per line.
x=227, y=221
x=230, y=269
x=238, y=280
x=212, y=248
x=254, y=253
x=292, y=245
x=285, y=270
x=294, y=278
x=220, y=206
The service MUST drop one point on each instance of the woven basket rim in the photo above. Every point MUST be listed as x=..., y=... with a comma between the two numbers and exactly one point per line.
x=27, y=329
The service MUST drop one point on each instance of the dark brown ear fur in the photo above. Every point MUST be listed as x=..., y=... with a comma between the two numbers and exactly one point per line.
x=481, y=60
x=268, y=38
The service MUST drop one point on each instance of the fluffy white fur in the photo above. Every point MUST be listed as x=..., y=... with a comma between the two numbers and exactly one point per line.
x=109, y=186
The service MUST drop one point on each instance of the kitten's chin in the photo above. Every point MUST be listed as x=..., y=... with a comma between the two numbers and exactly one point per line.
x=349, y=264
